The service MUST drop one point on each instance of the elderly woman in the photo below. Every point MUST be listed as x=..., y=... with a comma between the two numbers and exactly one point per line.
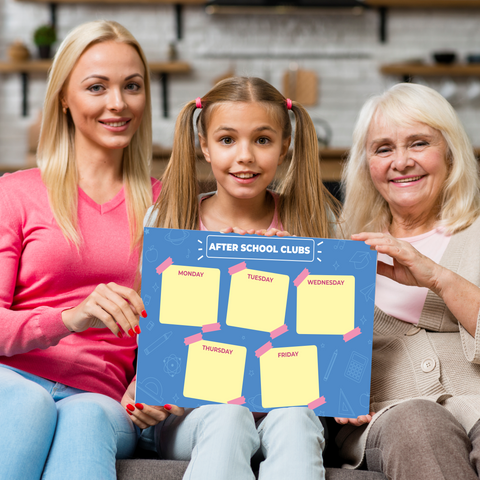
x=412, y=188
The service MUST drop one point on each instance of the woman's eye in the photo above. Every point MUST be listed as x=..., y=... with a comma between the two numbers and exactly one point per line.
x=226, y=140
x=96, y=88
x=383, y=150
x=420, y=144
x=263, y=140
x=133, y=87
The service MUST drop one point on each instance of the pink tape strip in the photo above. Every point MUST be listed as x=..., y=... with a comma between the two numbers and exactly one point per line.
x=264, y=349
x=164, y=265
x=316, y=403
x=278, y=331
x=352, y=334
x=193, y=338
x=211, y=327
x=301, y=277
x=237, y=401
x=237, y=268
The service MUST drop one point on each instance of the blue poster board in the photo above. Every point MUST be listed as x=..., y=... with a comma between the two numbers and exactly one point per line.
x=264, y=322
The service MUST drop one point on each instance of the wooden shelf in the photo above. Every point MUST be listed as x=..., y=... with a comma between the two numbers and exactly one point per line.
x=408, y=70
x=117, y=2
x=164, y=69
x=331, y=159
x=423, y=3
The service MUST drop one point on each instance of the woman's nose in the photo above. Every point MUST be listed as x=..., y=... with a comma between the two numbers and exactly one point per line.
x=402, y=160
x=116, y=102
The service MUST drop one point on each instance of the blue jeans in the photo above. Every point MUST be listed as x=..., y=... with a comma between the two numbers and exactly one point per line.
x=220, y=440
x=52, y=431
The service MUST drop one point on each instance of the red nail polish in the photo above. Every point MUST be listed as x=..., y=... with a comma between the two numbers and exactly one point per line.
x=128, y=411
x=144, y=314
x=139, y=406
x=130, y=332
x=120, y=335
x=137, y=329
x=130, y=407
x=167, y=407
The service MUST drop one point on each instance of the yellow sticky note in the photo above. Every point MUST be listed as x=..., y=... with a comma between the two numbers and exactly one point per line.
x=326, y=305
x=214, y=371
x=257, y=300
x=289, y=376
x=189, y=295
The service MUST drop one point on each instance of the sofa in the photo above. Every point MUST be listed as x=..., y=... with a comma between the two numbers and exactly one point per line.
x=147, y=465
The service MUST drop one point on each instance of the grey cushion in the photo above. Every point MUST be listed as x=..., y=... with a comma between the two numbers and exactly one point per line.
x=146, y=469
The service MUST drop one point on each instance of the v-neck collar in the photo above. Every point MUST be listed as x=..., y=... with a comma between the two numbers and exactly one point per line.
x=104, y=207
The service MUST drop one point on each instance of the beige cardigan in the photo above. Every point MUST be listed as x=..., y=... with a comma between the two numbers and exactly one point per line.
x=438, y=360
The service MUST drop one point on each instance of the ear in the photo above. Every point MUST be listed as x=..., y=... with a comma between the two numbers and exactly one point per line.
x=204, y=147
x=284, y=151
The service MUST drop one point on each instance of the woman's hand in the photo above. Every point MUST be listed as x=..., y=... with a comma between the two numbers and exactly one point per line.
x=143, y=415
x=112, y=306
x=357, y=422
x=409, y=267
x=271, y=232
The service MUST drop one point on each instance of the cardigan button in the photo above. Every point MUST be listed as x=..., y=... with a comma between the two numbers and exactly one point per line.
x=428, y=365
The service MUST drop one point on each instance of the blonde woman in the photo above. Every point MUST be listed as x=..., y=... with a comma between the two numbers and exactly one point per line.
x=69, y=248
x=412, y=188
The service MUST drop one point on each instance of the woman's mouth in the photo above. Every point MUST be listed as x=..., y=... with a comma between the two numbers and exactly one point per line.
x=407, y=179
x=115, y=125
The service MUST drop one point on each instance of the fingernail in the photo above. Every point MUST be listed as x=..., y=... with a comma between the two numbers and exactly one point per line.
x=144, y=314
x=120, y=335
x=128, y=411
x=130, y=332
x=130, y=407
x=139, y=406
x=167, y=407
x=137, y=329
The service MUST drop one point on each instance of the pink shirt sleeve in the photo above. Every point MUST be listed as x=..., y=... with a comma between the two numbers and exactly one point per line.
x=26, y=330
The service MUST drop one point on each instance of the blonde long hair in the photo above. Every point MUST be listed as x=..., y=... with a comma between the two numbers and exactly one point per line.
x=56, y=148
x=305, y=206
x=403, y=104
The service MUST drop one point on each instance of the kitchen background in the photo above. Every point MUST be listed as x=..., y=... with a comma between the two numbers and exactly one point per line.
x=342, y=49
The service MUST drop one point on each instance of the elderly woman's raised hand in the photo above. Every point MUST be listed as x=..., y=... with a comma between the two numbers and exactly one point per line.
x=113, y=306
x=409, y=267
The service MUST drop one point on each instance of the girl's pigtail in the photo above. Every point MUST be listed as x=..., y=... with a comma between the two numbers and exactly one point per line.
x=306, y=207
x=177, y=204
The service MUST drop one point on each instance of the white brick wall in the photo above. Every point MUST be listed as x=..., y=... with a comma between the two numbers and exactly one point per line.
x=344, y=50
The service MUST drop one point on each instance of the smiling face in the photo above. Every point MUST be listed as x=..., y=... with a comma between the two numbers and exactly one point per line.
x=244, y=146
x=105, y=94
x=408, y=166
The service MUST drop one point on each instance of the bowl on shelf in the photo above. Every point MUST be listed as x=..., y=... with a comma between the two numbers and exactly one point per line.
x=473, y=58
x=445, y=58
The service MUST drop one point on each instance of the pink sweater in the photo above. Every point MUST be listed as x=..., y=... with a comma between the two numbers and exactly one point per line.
x=42, y=275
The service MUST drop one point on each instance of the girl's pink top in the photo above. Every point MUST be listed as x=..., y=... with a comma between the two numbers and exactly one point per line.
x=275, y=220
x=402, y=301
x=42, y=275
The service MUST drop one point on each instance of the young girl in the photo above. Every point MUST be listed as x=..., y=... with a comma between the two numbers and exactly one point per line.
x=245, y=131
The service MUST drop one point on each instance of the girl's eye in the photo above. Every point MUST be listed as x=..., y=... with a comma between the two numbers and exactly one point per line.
x=96, y=88
x=226, y=140
x=133, y=87
x=263, y=140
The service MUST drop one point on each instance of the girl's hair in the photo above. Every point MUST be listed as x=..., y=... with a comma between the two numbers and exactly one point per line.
x=404, y=104
x=56, y=148
x=305, y=206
